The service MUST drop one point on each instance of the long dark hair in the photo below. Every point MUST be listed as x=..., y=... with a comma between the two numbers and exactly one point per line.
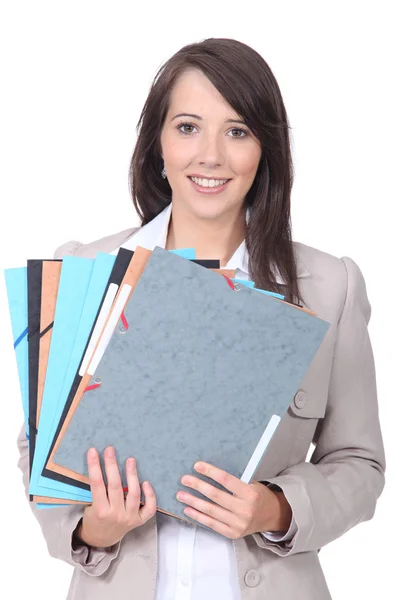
x=246, y=81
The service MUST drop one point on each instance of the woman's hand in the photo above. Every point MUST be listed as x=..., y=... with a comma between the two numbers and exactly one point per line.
x=110, y=516
x=252, y=508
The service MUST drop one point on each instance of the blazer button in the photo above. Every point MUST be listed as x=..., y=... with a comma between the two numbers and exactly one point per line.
x=252, y=578
x=300, y=399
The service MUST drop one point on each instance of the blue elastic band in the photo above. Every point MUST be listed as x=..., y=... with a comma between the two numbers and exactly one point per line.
x=21, y=337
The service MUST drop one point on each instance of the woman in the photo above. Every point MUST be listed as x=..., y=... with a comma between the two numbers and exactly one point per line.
x=212, y=170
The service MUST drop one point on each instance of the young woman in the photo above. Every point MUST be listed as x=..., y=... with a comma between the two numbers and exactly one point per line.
x=212, y=170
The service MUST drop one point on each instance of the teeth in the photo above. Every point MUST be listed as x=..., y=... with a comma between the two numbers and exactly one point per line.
x=209, y=182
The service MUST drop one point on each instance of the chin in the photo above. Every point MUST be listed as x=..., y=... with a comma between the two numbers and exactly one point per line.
x=208, y=208
x=210, y=212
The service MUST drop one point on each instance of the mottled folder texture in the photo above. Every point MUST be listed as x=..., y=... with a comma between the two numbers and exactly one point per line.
x=198, y=375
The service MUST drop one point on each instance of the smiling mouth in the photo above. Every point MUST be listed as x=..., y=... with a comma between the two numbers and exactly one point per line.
x=217, y=182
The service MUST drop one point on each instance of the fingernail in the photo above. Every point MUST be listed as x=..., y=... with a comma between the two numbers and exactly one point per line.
x=110, y=452
x=92, y=453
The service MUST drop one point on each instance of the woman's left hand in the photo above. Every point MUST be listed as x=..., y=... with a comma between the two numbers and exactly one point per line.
x=252, y=508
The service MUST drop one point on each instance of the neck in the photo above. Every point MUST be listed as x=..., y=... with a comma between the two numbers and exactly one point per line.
x=211, y=238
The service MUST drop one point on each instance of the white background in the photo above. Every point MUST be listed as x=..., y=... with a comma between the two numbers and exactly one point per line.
x=74, y=77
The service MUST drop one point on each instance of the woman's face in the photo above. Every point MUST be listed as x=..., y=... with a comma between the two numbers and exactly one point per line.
x=208, y=145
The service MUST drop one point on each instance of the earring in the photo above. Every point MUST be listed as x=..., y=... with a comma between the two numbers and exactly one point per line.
x=163, y=173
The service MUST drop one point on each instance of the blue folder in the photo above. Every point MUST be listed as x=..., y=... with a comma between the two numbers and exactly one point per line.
x=17, y=293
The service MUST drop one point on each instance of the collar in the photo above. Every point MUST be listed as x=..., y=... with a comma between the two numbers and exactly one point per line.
x=155, y=233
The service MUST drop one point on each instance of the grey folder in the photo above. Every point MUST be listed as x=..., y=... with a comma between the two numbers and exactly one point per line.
x=198, y=375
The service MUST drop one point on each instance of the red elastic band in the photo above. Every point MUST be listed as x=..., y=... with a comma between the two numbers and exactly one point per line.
x=92, y=387
x=230, y=283
x=124, y=321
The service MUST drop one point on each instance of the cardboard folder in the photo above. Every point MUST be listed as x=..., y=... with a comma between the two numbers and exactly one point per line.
x=97, y=288
x=51, y=270
x=17, y=292
x=74, y=281
x=43, y=279
x=106, y=276
x=195, y=371
x=17, y=295
x=133, y=273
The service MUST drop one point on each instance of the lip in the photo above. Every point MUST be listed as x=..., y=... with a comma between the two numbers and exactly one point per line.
x=206, y=176
x=209, y=190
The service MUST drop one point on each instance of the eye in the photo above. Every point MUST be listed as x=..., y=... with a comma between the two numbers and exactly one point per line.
x=184, y=125
x=243, y=132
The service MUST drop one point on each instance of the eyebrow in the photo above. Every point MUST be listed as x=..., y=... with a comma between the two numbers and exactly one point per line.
x=201, y=118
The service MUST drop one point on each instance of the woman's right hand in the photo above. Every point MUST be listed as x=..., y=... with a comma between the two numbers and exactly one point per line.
x=110, y=516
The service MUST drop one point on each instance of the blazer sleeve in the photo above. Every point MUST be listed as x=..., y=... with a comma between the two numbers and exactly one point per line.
x=58, y=524
x=280, y=536
x=341, y=484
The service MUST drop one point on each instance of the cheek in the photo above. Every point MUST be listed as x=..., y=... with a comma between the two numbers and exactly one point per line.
x=245, y=162
x=175, y=153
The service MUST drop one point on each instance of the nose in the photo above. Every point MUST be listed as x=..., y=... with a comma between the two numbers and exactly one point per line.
x=211, y=151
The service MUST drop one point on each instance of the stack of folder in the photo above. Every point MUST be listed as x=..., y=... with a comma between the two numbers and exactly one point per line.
x=167, y=358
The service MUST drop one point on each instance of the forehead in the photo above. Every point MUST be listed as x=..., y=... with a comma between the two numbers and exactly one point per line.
x=193, y=92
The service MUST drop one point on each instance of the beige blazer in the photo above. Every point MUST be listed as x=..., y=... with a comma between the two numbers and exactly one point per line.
x=335, y=408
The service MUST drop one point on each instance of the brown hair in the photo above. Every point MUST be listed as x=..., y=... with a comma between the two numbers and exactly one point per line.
x=246, y=81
